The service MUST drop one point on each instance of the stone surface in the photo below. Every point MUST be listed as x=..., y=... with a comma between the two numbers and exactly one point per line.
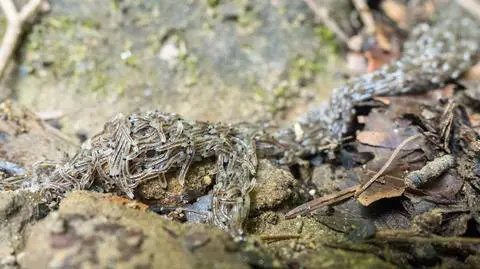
x=92, y=230
x=25, y=140
x=18, y=212
x=274, y=186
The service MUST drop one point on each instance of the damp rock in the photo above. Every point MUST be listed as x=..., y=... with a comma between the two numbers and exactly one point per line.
x=263, y=222
x=327, y=178
x=25, y=140
x=97, y=231
x=17, y=215
x=428, y=222
x=273, y=187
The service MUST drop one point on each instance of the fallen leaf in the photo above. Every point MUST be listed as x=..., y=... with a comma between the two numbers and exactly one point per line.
x=392, y=187
x=446, y=186
x=381, y=131
x=371, y=137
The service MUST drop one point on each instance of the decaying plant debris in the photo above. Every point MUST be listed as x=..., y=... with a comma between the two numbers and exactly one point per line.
x=433, y=56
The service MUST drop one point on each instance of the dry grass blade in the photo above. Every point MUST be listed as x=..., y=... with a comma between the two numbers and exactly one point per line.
x=278, y=237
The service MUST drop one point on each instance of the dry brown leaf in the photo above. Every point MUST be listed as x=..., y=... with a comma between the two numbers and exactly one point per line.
x=389, y=140
x=371, y=137
x=445, y=186
x=393, y=187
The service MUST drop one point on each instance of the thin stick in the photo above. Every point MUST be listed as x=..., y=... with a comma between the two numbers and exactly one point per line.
x=322, y=14
x=365, y=15
x=387, y=164
x=446, y=132
x=278, y=237
x=471, y=6
x=322, y=201
x=15, y=24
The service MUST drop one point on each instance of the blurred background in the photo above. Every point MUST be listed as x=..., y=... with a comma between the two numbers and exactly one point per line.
x=85, y=61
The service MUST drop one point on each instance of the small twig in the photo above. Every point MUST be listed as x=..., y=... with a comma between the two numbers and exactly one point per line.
x=278, y=237
x=322, y=201
x=322, y=14
x=471, y=6
x=387, y=164
x=365, y=15
x=448, y=115
x=430, y=171
x=15, y=24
